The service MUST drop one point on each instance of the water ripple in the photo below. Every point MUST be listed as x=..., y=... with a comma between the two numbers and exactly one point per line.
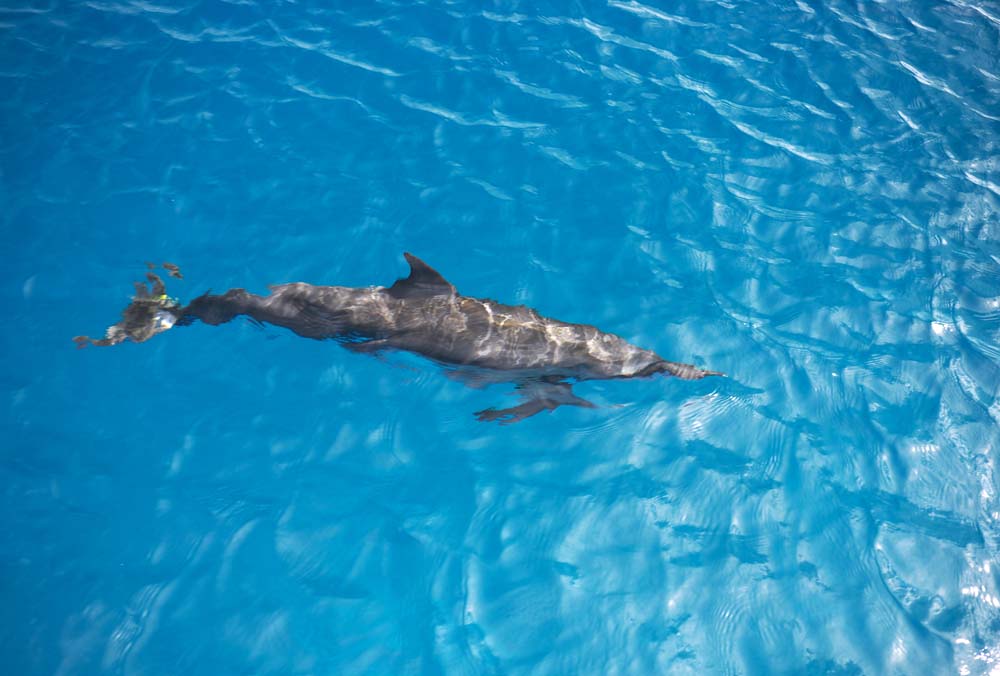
x=803, y=195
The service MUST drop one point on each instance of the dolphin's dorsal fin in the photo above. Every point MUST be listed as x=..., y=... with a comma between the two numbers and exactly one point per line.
x=423, y=282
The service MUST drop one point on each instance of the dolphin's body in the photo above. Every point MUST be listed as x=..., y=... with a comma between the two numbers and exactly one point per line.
x=483, y=340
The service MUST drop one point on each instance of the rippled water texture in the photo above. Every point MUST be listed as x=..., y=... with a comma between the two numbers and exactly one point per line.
x=803, y=195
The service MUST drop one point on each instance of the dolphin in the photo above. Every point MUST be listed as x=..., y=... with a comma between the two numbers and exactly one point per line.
x=478, y=340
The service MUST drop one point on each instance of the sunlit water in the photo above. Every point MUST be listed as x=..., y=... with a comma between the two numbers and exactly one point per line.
x=803, y=195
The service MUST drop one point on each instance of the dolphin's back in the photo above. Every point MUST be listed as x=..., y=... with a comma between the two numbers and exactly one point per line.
x=486, y=334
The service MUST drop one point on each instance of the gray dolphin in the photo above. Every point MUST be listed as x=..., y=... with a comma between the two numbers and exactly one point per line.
x=479, y=340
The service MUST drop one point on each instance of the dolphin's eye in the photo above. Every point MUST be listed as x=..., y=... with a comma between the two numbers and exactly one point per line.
x=163, y=320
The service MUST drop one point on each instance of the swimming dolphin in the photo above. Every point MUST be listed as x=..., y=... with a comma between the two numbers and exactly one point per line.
x=479, y=340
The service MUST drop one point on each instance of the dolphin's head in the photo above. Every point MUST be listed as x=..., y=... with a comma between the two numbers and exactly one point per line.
x=150, y=312
x=146, y=317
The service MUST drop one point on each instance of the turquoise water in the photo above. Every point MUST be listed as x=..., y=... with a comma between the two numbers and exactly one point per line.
x=803, y=195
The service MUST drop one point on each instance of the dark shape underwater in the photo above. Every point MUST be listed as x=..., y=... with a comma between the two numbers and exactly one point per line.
x=479, y=340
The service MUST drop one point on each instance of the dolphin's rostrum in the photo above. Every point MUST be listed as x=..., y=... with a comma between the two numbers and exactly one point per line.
x=481, y=340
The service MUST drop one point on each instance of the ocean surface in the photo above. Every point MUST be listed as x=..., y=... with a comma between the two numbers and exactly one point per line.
x=804, y=195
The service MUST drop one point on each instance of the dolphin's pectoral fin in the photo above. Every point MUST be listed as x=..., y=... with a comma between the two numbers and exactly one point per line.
x=541, y=396
x=509, y=416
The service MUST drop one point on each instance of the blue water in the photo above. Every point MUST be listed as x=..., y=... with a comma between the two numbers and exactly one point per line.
x=803, y=195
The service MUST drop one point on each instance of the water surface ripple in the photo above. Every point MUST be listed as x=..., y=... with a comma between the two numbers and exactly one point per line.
x=803, y=195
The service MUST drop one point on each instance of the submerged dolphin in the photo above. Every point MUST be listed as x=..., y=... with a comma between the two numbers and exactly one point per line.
x=483, y=340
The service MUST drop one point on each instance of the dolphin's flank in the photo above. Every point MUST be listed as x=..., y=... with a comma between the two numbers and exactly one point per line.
x=478, y=340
